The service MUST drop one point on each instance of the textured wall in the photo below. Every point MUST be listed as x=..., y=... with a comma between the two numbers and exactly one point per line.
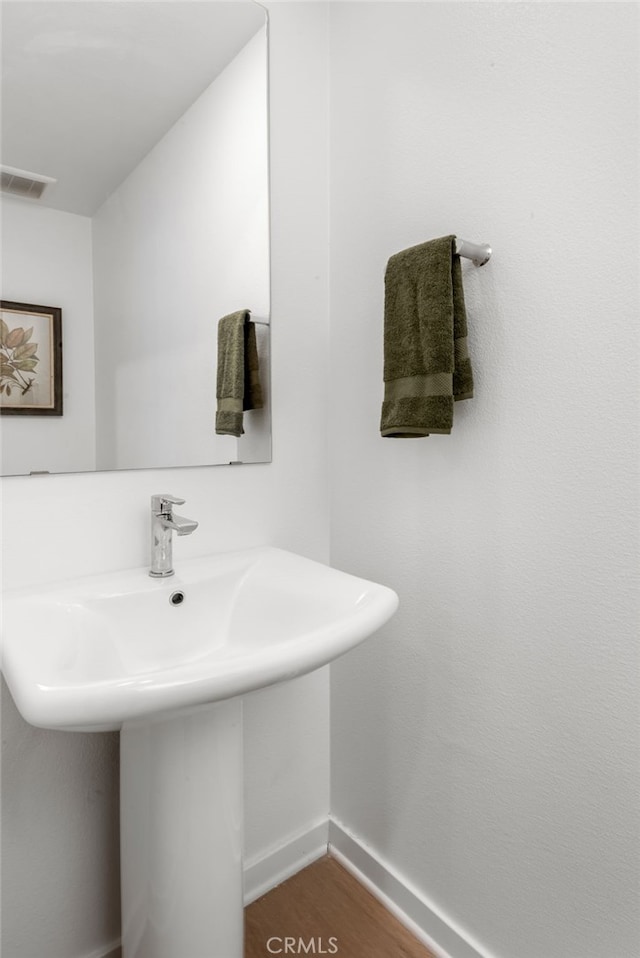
x=485, y=743
x=59, y=850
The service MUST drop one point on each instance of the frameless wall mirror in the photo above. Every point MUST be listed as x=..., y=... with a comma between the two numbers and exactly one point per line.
x=135, y=214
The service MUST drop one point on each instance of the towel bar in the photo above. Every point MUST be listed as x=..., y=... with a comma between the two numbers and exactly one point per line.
x=478, y=254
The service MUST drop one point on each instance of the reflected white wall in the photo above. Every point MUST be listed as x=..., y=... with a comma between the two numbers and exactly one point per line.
x=46, y=261
x=183, y=241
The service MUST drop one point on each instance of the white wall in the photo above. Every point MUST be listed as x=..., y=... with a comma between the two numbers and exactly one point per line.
x=46, y=261
x=486, y=742
x=182, y=242
x=61, y=526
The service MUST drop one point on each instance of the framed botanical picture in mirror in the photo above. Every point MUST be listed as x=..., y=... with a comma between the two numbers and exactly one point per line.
x=30, y=360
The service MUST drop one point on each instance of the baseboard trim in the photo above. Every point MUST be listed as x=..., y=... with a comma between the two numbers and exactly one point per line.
x=427, y=922
x=114, y=950
x=423, y=919
x=264, y=872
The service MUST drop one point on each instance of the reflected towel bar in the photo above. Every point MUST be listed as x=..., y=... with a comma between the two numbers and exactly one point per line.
x=478, y=254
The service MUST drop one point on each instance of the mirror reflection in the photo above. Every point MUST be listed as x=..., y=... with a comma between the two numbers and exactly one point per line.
x=143, y=127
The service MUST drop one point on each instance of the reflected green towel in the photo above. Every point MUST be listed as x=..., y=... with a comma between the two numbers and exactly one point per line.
x=238, y=384
x=426, y=362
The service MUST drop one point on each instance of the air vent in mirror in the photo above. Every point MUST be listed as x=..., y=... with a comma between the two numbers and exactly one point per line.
x=21, y=183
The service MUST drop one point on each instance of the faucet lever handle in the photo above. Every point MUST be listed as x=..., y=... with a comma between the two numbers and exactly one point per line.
x=161, y=504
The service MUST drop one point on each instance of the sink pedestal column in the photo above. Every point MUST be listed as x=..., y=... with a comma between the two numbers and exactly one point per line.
x=181, y=834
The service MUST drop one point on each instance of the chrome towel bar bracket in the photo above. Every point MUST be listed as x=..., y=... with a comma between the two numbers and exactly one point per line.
x=479, y=254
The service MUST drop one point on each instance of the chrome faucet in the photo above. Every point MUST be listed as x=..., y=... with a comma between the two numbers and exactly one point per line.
x=163, y=524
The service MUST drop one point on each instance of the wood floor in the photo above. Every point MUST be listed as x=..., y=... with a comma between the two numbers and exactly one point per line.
x=325, y=903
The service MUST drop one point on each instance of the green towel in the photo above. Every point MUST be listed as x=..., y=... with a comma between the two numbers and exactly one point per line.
x=238, y=385
x=426, y=362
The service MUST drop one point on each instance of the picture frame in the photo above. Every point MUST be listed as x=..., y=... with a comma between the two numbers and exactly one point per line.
x=30, y=359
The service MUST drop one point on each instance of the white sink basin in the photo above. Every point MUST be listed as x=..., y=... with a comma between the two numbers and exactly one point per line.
x=95, y=652
x=113, y=652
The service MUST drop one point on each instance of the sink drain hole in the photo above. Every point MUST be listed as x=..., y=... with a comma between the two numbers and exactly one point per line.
x=176, y=598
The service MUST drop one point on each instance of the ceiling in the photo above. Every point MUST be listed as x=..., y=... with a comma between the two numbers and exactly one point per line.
x=88, y=88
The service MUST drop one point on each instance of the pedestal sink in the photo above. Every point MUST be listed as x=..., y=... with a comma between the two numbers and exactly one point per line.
x=165, y=661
